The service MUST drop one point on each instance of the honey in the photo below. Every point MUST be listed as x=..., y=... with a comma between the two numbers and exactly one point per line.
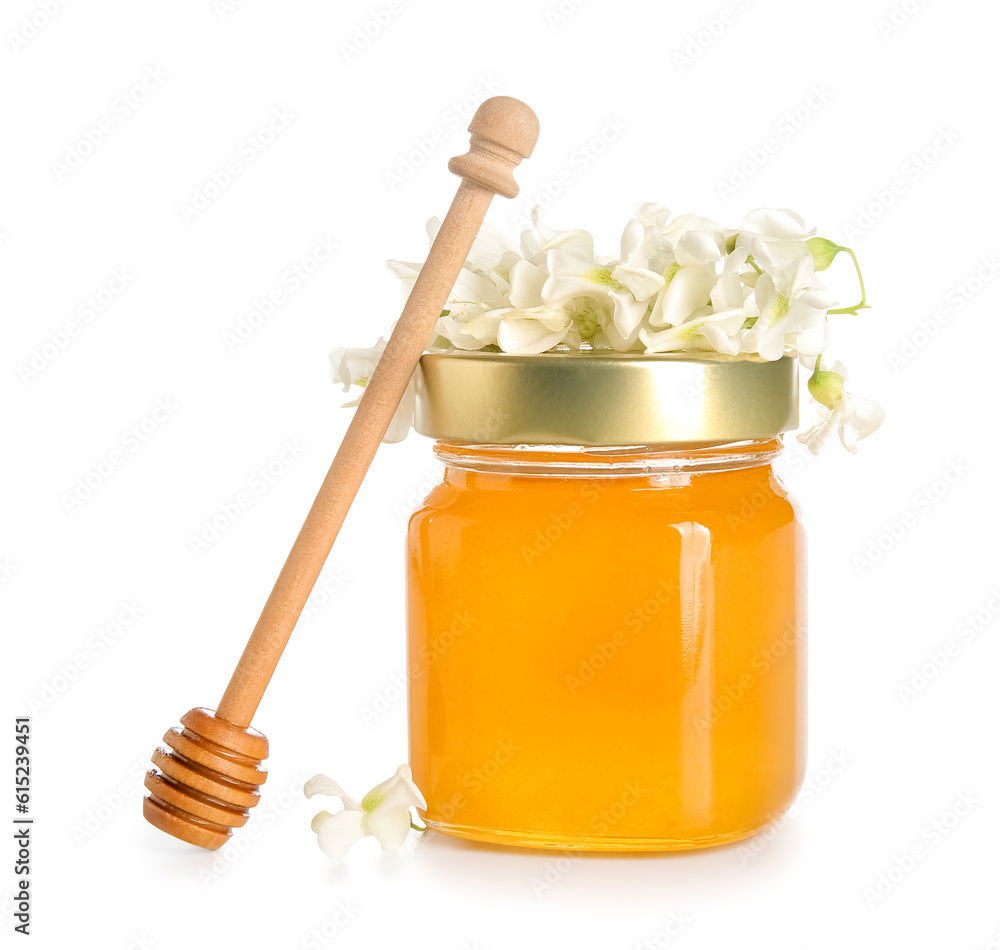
x=606, y=644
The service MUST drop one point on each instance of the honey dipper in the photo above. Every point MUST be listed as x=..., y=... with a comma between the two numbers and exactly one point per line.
x=206, y=780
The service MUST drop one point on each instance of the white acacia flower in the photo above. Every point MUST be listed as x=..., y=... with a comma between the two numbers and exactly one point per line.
x=576, y=274
x=688, y=279
x=790, y=300
x=853, y=417
x=680, y=283
x=354, y=366
x=383, y=813
x=518, y=330
x=705, y=329
x=774, y=232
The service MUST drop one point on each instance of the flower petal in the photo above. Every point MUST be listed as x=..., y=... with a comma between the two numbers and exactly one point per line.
x=813, y=340
x=861, y=419
x=336, y=833
x=775, y=223
x=390, y=825
x=560, y=289
x=323, y=785
x=477, y=331
x=632, y=238
x=686, y=292
x=526, y=282
x=696, y=248
x=489, y=247
x=578, y=243
x=640, y=281
x=814, y=438
x=521, y=332
x=628, y=313
x=398, y=790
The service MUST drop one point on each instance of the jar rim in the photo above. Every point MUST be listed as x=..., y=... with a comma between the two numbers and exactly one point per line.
x=606, y=461
x=602, y=398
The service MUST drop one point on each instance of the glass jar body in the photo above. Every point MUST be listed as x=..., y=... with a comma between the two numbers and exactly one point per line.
x=606, y=646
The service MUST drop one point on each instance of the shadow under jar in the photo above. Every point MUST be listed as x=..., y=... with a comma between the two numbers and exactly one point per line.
x=606, y=601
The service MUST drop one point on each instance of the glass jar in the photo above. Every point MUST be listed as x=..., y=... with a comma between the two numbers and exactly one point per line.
x=605, y=640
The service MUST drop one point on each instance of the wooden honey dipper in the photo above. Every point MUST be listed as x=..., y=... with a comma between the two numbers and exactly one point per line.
x=205, y=782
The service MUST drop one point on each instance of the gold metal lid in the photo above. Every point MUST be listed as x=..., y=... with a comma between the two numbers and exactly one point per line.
x=598, y=398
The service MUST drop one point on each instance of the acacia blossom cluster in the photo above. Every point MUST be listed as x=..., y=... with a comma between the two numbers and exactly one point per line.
x=679, y=283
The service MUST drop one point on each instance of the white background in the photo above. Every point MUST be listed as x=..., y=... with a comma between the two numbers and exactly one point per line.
x=895, y=154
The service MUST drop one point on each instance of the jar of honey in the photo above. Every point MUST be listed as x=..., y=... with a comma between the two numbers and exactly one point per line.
x=606, y=600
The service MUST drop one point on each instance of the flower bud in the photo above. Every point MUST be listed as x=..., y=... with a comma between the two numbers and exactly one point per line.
x=823, y=252
x=826, y=387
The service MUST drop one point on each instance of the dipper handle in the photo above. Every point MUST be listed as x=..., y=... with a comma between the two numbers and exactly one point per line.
x=503, y=131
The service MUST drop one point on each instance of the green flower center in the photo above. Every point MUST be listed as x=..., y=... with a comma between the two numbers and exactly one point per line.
x=671, y=272
x=371, y=801
x=587, y=322
x=779, y=309
x=602, y=276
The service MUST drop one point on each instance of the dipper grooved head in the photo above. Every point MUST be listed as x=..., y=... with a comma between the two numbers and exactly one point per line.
x=206, y=780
